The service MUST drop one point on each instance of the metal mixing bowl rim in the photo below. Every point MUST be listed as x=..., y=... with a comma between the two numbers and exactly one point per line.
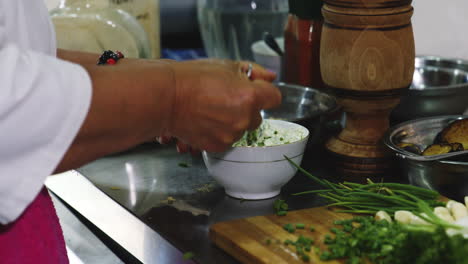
x=440, y=58
x=444, y=88
x=306, y=88
x=391, y=132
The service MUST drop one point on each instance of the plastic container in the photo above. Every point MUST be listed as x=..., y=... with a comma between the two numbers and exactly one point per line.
x=94, y=26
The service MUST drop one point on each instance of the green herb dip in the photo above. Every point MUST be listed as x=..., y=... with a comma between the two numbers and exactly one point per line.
x=270, y=134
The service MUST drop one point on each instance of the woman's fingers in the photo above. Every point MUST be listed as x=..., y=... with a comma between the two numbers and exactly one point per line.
x=263, y=74
x=258, y=72
x=256, y=121
x=267, y=95
x=180, y=146
x=216, y=103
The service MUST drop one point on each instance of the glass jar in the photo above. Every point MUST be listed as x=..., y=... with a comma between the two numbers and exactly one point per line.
x=230, y=27
x=92, y=26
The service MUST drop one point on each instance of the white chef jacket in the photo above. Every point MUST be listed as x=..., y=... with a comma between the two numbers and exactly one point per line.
x=43, y=102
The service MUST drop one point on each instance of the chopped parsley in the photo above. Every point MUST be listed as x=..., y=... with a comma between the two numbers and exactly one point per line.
x=183, y=165
x=280, y=207
x=188, y=255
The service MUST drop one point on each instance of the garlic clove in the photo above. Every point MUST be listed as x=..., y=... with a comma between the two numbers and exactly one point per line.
x=444, y=214
x=382, y=215
x=446, y=217
x=416, y=220
x=441, y=210
x=403, y=216
x=458, y=210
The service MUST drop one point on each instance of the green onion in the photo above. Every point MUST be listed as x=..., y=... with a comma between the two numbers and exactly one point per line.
x=302, y=245
x=280, y=207
x=313, y=191
x=300, y=226
x=371, y=197
x=282, y=213
x=289, y=227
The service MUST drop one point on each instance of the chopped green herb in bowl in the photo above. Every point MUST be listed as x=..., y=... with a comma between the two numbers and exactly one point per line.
x=270, y=134
x=256, y=167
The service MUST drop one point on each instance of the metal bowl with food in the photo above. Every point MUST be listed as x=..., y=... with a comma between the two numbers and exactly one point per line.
x=306, y=106
x=440, y=87
x=450, y=176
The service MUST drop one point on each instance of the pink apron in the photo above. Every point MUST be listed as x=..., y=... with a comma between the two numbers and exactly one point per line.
x=35, y=237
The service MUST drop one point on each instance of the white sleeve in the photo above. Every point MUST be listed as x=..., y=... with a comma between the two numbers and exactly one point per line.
x=43, y=103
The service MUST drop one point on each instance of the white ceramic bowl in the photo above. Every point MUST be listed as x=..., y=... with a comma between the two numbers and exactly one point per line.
x=254, y=173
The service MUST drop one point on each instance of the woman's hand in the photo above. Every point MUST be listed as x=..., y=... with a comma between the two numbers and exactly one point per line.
x=207, y=104
x=215, y=102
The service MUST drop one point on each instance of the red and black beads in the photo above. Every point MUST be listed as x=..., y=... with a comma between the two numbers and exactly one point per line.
x=110, y=57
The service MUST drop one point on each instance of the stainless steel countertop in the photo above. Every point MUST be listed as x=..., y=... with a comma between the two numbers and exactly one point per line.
x=157, y=210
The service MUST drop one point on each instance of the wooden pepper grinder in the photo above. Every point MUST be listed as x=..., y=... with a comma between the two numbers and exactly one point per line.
x=367, y=60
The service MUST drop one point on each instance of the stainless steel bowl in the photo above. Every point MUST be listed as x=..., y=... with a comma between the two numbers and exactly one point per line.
x=449, y=177
x=440, y=87
x=306, y=106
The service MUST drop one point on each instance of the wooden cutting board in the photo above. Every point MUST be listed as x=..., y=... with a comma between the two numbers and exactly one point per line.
x=247, y=239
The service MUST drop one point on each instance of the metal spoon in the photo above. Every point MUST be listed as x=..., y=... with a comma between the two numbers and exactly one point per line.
x=271, y=42
x=432, y=157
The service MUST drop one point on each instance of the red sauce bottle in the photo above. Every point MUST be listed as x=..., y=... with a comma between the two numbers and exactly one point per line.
x=290, y=44
x=302, y=54
x=309, y=31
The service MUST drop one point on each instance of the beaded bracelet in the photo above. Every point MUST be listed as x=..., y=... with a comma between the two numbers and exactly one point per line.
x=110, y=57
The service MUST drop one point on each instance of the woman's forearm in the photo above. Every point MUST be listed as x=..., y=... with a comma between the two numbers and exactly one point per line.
x=78, y=57
x=131, y=103
x=86, y=58
x=207, y=103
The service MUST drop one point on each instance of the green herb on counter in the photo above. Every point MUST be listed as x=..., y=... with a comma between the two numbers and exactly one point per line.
x=289, y=227
x=303, y=245
x=280, y=207
x=282, y=213
x=372, y=197
x=183, y=165
x=300, y=226
x=188, y=255
x=363, y=238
